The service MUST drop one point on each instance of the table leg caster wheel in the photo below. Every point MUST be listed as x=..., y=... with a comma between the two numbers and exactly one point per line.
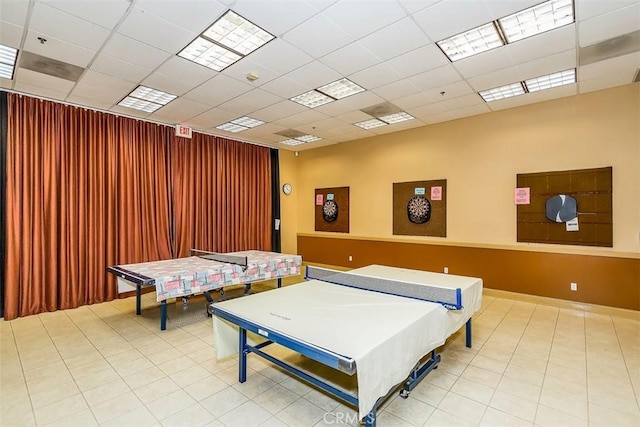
x=221, y=291
x=185, y=300
x=404, y=393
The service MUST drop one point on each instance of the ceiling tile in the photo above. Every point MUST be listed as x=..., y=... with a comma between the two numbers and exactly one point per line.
x=68, y=28
x=451, y=91
x=547, y=65
x=129, y=112
x=372, y=15
x=301, y=119
x=376, y=76
x=167, y=84
x=422, y=59
x=554, y=41
x=350, y=59
x=451, y=17
x=179, y=110
x=502, y=8
x=607, y=81
x=285, y=87
x=51, y=92
x=239, y=107
x=435, y=78
x=278, y=111
x=603, y=27
x=117, y=68
x=413, y=6
x=259, y=99
x=243, y=67
x=14, y=12
x=586, y=9
x=45, y=83
x=621, y=64
x=191, y=15
x=134, y=52
x=226, y=86
x=396, y=90
x=279, y=56
x=305, y=37
x=89, y=102
x=275, y=16
x=458, y=114
x=484, y=63
x=396, y=39
x=106, y=13
x=58, y=49
x=97, y=80
x=314, y=75
x=155, y=31
x=212, y=117
x=182, y=69
x=10, y=34
x=495, y=79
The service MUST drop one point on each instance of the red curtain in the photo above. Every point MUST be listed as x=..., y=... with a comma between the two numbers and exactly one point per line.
x=85, y=190
x=222, y=195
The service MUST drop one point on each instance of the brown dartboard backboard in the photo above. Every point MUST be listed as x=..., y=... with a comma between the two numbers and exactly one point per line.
x=403, y=192
x=593, y=191
x=340, y=195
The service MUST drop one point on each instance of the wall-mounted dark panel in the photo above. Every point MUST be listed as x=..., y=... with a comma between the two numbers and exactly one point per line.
x=332, y=209
x=431, y=195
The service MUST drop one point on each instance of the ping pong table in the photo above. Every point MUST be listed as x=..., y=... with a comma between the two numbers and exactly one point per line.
x=203, y=272
x=382, y=324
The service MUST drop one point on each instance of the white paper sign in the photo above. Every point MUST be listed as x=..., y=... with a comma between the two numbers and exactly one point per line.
x=572, y=224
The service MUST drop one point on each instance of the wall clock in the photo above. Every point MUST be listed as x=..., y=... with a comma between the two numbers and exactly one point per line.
x=287, y=188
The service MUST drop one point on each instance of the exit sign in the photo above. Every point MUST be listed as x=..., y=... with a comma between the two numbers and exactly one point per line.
x=183, y=131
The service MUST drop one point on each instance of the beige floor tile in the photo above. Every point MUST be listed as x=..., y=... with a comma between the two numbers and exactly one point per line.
x=144, y=377
x=140, y=417
x=156, y=390
x=276, y=398
x=53, y=394
x=519, y=388
x=563, y=403
x=60, y=409
x=301, y=413
x=440, y=418
x=18, y=413
x=111, y=409
x=441, y=379
x=481, y=376
x=410, y=410
x=271, y=422
x=165, y=355
x=495, y=418
x=223, y=402
x=600, y=416
x=247, y=415
x=473, y=390
x=513, y=405
x=322, y=399
x=205, y=387
x=82, y=418
x=189, y=376
x=462, y=407
x=169, y=404
x=106, y=391
x=548, y=417
x=255, y=384
x=192, y=416
x=493, y=365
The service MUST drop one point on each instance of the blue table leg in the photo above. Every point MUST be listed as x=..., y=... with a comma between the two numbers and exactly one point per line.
x=163, y=315
x=468, y=333
x=138, y=297
x=242, y=356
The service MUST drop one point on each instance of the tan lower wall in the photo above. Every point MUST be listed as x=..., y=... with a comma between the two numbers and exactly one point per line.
x=602, y=280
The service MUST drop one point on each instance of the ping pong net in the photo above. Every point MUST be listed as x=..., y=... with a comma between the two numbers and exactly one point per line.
x=224, y=258
x=450, y=298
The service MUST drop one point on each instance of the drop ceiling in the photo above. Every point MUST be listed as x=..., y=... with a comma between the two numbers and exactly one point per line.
x=388, y=47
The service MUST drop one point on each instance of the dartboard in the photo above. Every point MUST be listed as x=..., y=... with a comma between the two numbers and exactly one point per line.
x=419, y=209
x=330, y=211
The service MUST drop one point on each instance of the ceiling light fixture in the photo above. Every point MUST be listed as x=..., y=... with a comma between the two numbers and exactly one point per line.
x=240, y=124
x=548, y=81
x=225, y=42
x=328, y=93
x=302, y=139
x=385, y=120
x=526, y=23
x=8, y=57
x=146, y=99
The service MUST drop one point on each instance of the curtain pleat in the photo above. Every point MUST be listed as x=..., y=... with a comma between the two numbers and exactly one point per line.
x=86, y=190
x=222, y=195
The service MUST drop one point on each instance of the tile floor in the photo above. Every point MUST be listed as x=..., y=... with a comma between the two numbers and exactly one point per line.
x=531, y=364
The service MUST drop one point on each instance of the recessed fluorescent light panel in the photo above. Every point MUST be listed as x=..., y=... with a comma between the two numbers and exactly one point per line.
x=303, y=139
x=537, y=19
x=240, y=124
x=328, y=93
x=549, y=81
x=502, y=92
x=228, y=40
x=529, y=22
x=385, y=120
x=146, y=99
x=552, y=80
x=8, y=57
x=370, y=124
x=471, y=42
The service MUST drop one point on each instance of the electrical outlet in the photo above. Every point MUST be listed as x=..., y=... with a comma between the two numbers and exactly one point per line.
x=574, y=286
x=446, y=270
x=350, y=258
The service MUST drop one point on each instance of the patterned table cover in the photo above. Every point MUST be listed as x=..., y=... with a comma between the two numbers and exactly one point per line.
x=194, y=274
